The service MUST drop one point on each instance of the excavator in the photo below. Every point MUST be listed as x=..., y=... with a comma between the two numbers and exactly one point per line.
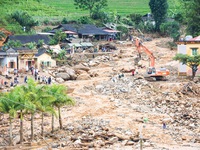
x=152, y=73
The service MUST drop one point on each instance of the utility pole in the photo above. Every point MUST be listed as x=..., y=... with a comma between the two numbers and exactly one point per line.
x=140, y=137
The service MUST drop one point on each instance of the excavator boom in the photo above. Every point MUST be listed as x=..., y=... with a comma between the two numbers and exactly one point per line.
x=152, y=72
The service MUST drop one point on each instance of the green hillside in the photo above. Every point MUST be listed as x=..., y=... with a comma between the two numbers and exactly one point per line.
x=66, y=8
x=56, y=10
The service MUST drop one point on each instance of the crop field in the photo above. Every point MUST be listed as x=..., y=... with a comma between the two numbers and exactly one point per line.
x=122, y=7
x=57, y=9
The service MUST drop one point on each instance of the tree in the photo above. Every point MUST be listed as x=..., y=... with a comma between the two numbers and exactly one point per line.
x=61, y=54
x=171, y=29
x=61, y=99
x=2, y=35
x=191, y=61
x=20, y=98
x=90, y=5
x=159, y=11
x=13, y=44
x=24, y=19
x=192, y=17
x=45, y=104
x=8, y=106
x=31, y=95
x=58, y=37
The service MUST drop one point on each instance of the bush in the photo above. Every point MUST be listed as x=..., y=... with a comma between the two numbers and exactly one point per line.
x=136, y=18
x=24, y=19
x=12, y=44
x=46, y=29
x=127, y=21
x=46, y=22
x=149, y=27
x=171, y=29
x=124, y=31
x=64, y=21
x=179, y=18
x=85, y=20
x=101, y=16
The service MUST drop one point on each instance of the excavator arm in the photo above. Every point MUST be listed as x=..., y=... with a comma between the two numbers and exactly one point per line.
x=141, y=47
x=158, y=74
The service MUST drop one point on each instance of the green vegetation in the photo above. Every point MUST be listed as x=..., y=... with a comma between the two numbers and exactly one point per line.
x=159, y=11
x=54, y=12
x=57, y=9
x=92, y=5
x=31, y=99
x=191, y=61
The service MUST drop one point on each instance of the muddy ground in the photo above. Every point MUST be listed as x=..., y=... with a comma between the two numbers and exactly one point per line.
x=115, y=113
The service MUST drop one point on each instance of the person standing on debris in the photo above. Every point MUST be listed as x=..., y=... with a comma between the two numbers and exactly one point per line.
x=35, y=76
x=49, y=80
x=15, y=71
x=164, y=125
x=25, y=79
x=133, y=72
x=11, y=84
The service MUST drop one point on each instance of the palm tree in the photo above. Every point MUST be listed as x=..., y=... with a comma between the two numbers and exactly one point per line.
x=45, y=104
x=8, y=105
x=61, y=99
x=23, y=106
x=31, y=96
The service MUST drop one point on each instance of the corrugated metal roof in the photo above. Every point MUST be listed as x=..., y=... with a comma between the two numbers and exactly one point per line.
x=75, y=44
x=195, y=39
x=82, y=44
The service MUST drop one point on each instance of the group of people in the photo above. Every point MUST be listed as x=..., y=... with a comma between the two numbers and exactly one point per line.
x=37, y=77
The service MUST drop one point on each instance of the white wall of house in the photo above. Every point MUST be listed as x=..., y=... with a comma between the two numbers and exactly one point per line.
x=46, y=60
x=182, y=69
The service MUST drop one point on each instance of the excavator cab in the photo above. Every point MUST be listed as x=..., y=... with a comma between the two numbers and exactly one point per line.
x=151, y=70
x=154, y=74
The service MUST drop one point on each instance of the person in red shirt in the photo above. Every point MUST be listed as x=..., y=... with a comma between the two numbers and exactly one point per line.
x=133, y=72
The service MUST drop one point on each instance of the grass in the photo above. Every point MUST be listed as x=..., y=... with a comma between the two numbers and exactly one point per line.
x=58, y=9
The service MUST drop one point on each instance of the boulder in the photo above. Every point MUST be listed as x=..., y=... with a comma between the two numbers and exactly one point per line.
x=71, y=73
x=59, y=80
x=61, y=70
x=81, y=67
x=84, y=76
x=64, y=76
x=93, y=63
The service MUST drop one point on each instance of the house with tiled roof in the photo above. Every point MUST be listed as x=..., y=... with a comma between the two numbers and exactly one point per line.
x=43, y=60
x=189, y=46
x=24, y=39
x=8, y=60
x=26, y=57
x=83, y=31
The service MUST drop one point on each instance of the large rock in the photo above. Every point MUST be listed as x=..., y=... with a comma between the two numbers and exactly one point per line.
x=59, y=80
x=84, y=76
x=81, y=67
x=71, y=73
x=93, y=63
x=61, y=70
x=64, y=76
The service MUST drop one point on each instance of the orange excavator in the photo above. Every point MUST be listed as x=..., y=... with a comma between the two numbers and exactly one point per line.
x=152, y=72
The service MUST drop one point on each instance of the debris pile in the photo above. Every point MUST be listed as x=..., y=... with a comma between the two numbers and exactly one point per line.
x=93, y=133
